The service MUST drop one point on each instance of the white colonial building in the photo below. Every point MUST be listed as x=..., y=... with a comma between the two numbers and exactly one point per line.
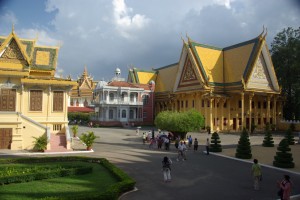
x=120, y=103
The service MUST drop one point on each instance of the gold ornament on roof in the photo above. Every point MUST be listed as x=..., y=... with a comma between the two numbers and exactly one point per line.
x=13, y=51
x=259, y=72
x=189, y=72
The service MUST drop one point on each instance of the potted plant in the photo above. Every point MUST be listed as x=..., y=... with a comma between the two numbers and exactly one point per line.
x=75, y=130
x=89, y=139
x=40, y=143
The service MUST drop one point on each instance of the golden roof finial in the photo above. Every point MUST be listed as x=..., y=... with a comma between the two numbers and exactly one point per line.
x=13, y=28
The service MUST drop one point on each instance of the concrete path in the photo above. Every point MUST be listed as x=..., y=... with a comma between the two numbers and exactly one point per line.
x=200, y=177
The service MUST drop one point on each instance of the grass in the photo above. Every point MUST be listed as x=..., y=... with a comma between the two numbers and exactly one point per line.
x=97, y=182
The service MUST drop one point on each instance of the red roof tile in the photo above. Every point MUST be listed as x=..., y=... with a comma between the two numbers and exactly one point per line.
x=80, y=109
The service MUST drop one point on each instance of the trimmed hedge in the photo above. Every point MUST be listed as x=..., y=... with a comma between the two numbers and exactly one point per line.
x=113, y=192
x=45, y=174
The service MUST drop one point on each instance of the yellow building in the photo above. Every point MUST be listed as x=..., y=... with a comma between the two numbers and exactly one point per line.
x=233, y=87
x=32, y=101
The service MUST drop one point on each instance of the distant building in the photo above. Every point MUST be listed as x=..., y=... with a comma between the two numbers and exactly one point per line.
x=233, y=87
x=33, y=102
x=81, y=95
x=119, y=103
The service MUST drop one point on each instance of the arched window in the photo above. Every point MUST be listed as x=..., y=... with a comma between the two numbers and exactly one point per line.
x=123, y=96
x=111, y=96
x=123, y=113
x=111, y=114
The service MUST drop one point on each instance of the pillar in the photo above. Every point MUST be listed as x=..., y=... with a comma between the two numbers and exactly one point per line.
x=211, y=115
x=250, y=111
x=242, y=111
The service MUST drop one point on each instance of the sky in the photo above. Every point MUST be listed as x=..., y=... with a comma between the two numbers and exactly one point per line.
x=103, y=35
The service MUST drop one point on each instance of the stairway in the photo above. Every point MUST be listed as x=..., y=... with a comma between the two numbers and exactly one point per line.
x=58, y=143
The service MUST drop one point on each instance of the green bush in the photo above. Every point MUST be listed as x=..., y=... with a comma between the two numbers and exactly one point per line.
x=283, y=158
x=112, y=193
x=215, y=145
x=268, y=139
x=243, y=149
x=40, y=143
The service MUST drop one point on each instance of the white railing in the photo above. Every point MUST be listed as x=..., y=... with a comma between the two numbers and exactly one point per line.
x=121, y=102
x=290, y=121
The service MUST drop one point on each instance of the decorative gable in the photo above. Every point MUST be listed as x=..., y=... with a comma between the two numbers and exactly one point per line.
x=12, y=53
x=259, y=78
x=85, y=85
x=188, y=77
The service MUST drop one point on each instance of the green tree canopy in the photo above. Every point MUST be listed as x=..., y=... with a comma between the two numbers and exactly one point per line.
x=181, y=122
x=285, y=50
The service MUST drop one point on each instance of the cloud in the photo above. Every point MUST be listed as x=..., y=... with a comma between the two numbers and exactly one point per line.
x=103, y=35
x=8, y=18
x=125, y=23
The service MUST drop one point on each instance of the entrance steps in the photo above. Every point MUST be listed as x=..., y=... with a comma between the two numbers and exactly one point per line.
x=58, y=143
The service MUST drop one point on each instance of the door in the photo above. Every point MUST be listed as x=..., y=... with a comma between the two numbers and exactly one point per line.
x=234, y=124
x=5, y=138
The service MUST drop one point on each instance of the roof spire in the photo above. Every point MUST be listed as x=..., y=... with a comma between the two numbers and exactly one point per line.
x=85, y=71
x=260, y=35
x=13, y=28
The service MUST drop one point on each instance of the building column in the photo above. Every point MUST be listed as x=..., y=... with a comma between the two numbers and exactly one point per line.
x=274, y=110
x=229, y=119
x=242, y=110
x=250, y=111
x=205, y=112
x=211, y=124
x=268, y=108
x=222, y=117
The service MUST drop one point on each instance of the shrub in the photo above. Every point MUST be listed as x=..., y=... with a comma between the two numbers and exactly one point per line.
x=268, y=139
x=283, y=158
x=215, y=145
x=243, y=149
x=289, y=137
x=75, y=130
x=88, y=138
x=40, y=143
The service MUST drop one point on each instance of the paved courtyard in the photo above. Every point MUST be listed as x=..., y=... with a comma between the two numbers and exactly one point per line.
x=200, y=177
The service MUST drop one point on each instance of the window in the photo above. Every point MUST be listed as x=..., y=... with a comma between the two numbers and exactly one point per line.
x=123, y=113
x=131, y=114
x=265, y=105
x=8, y=100
x=144, y=114
x=240, y=121
x=72, y=102
x=240, y=104
x=271, y=105
x=56, y=127
x=252, y=104
x=111, y=114
x=145, y=99
x=132, y=97
x=111, y=96
x=36, y=100
x=123, y=96
x=225, y=121
x=258, y=105
x=58, y=100
x=208, y=103
x=193, y=103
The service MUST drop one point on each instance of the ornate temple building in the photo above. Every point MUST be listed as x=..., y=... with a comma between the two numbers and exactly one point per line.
x=233, y=87
x=119, y=103
x=33, y=102
x=82, y=95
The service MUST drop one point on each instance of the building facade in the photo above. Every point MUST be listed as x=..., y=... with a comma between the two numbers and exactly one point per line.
x=82, y=95
x=32, y=101
x=233, y=87
x=119, y=103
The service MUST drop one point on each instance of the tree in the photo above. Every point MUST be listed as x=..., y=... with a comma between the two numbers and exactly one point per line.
x=289, y=137
x=285, y=50
x=215, y=143
x=243, y=149
x=268, y=139
x=179, y=122
x=283, y=158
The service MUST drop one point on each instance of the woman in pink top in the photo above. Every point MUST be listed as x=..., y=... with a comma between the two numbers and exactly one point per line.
x=285, y=187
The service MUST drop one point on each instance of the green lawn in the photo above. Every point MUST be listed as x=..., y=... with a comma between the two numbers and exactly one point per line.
x=97, y=181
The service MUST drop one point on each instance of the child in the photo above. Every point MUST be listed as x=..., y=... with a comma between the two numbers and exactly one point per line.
x=195, y=144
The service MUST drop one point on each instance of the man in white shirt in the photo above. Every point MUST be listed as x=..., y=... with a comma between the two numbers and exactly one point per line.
x=181, y=151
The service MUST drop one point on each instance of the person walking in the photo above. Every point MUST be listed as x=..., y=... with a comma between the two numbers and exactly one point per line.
x=144, y=138
x=190, y=141
x=285, y=188
x=166, y=168
x=181, y=151
x=256, y=173
x=207, y=146
x=195, y=145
